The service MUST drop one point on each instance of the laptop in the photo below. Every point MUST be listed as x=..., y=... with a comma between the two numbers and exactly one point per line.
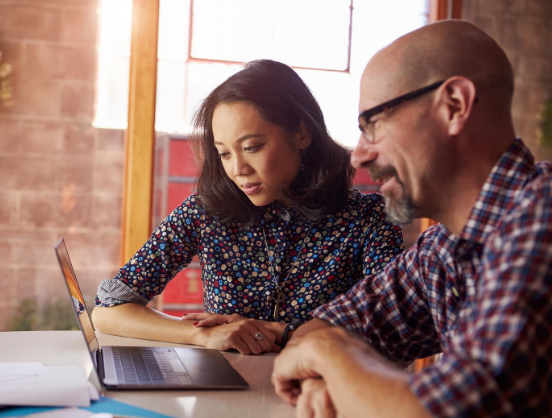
x=147, y=367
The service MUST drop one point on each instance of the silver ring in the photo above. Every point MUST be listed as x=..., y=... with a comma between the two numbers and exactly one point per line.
x=259, y=336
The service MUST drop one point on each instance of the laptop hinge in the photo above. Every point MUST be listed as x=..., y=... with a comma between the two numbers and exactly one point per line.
x=99, y=365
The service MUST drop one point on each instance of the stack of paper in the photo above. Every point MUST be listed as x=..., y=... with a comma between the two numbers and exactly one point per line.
x=35, y=384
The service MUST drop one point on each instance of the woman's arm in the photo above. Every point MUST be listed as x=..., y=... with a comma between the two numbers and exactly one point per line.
x=136, y=321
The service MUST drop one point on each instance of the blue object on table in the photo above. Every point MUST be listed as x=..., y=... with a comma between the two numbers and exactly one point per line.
x=119, y=408
x=104, y=404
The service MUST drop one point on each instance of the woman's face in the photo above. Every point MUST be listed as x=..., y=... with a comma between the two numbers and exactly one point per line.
x=258, y=156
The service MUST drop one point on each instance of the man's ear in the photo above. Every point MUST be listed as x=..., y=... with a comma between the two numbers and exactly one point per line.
x=303, y=137
x=458, y=95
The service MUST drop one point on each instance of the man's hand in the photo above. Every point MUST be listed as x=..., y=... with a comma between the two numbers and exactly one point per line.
x=358, y=380
x=314, y=400
x=305, y=357
x=299, y=362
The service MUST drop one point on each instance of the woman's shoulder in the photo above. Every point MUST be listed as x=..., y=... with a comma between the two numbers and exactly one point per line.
x=364, y=201
x=190, y=207
x=360, y=205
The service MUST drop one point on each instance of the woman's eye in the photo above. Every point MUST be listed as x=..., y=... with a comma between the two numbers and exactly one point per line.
x=224, y=155
x=252, y=148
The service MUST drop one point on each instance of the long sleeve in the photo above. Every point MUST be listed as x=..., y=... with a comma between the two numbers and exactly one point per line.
x=389, y=309
x=170, y=248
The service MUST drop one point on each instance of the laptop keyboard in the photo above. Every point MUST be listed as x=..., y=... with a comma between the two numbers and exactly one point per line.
x=149, y=366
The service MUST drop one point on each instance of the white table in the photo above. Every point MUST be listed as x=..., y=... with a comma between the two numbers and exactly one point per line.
x=58, y=348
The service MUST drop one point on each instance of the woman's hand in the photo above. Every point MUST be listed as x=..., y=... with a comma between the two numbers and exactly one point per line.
x=210, y=319
x=248, y=336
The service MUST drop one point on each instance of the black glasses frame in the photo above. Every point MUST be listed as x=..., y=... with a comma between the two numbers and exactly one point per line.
x=367, y=114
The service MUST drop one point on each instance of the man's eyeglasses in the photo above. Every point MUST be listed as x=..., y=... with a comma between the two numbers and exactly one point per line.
x=367, y=128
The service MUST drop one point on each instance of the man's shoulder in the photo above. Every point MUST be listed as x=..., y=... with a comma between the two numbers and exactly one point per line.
x=434, y=238
x=538, y=189
x=543, y=178
x=531, y=206
x=433, y=244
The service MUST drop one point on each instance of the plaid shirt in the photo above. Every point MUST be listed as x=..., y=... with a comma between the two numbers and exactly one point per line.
x=483, y=299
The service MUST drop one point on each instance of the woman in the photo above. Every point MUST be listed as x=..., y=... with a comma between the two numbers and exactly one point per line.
x=274, y=224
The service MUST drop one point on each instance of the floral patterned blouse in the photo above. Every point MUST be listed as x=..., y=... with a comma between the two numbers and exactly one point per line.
x=244, y=267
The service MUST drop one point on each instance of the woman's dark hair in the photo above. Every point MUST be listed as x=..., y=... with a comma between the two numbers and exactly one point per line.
x=283, y=99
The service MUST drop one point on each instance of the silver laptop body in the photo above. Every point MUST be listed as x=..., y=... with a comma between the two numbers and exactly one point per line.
x=147, y=367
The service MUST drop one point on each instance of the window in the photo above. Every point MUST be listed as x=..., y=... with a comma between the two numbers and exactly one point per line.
x=307, y=33
x=113, y=63
x=202, y=42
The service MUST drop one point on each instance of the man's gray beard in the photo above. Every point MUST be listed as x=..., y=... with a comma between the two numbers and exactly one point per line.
x=400, y=211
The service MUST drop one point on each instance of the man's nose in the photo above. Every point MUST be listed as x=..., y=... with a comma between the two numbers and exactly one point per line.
x=363, y=154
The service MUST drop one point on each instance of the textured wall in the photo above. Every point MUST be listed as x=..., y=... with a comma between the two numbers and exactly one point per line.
x=524, y=29
x=59, y=176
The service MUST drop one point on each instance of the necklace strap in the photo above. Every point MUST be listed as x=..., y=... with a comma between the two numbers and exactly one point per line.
x=293, y=266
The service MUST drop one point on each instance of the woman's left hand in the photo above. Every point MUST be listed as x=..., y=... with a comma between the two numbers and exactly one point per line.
x=211, y=320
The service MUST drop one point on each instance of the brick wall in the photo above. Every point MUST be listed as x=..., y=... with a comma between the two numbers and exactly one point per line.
x=524, y=29
x=59, y=176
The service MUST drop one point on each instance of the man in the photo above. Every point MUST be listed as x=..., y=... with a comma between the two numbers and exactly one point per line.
x=478, y=286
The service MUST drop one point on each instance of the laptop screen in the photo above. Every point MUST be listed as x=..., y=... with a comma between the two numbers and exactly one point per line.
x=77, y=300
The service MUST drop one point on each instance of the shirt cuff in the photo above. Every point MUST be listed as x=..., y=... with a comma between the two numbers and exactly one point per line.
x=114, y=292
x=341, y=312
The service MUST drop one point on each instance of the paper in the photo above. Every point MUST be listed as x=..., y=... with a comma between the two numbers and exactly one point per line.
x=12, y=372
x=34, y=384
x=94, y=395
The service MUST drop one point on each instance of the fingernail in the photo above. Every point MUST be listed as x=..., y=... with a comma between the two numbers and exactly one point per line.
x=195, y=323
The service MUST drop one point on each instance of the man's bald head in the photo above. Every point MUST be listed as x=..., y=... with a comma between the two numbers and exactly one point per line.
x=436, y=151
x=436, y=52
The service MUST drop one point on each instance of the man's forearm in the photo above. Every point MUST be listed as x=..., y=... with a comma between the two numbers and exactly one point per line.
x=316, y=324
x=312, y=325
x=277, y=328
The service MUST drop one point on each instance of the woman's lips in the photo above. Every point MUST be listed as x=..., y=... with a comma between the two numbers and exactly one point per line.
x=250, y=188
